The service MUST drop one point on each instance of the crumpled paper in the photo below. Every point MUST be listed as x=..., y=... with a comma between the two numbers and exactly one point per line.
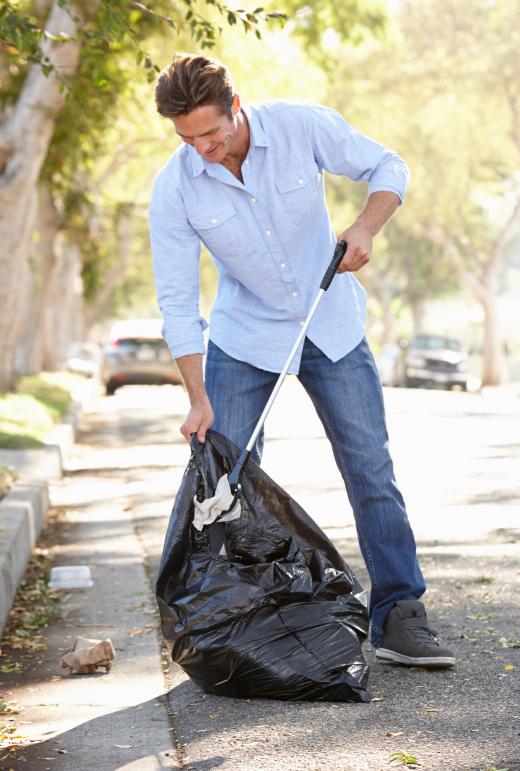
x=86, y=655
x=210, y=509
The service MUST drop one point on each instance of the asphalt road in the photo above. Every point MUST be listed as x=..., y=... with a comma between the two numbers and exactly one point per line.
x=457, y=459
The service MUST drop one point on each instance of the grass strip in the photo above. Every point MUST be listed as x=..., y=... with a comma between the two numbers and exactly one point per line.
x=30, y=413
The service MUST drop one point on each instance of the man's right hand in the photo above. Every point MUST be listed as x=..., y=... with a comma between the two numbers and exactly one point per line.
x=198, y=420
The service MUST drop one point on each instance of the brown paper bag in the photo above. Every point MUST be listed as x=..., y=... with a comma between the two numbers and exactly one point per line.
x=86, y=655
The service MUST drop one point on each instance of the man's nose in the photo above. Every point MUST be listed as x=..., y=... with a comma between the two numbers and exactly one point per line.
x=202, y=145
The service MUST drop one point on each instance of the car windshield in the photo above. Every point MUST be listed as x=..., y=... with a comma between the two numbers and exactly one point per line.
x=134, y=341
x=435, y=343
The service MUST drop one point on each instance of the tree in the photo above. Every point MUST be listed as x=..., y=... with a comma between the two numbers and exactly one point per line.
x=444, y=88
x=76, y=36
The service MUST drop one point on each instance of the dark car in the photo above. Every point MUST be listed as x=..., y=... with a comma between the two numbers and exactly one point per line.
x=136, y=354
x=434, y=360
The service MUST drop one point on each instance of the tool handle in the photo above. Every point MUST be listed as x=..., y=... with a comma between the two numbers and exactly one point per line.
x=339, y=252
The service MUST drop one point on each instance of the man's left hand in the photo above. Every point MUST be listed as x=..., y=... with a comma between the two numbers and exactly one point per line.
x=359, y=248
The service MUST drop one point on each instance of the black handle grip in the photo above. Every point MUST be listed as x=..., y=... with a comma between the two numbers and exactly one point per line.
x=339, y=253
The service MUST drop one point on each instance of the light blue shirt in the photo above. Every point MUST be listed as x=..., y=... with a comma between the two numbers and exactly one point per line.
x=270, y=237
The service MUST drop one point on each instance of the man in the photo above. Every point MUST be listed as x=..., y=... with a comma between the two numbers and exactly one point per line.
x=248, y=183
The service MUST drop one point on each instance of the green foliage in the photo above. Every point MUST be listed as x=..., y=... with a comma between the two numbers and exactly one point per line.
x=443, y=89
x=404, y=759
x=351, y=20
x=27, y=416
x=111, y=24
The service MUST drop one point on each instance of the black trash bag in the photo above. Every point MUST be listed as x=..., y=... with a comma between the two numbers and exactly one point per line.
x=281, y=615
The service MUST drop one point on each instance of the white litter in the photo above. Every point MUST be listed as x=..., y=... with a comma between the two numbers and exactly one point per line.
x=71, y=577
x=208, y=510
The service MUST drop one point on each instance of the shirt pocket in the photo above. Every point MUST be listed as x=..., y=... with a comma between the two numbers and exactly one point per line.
x=220, y=231
x=299, y=188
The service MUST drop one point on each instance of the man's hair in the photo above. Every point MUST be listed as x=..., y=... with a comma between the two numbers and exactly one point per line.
x=193, y=81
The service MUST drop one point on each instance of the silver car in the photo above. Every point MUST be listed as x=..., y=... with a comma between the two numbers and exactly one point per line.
x=434, y=360
x=136, y=354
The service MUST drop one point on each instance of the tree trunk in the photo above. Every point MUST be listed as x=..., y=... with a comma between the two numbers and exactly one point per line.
x=30, y=348
x=418, y=309
x=99, y=305
x=64, y=318
x=493, y=369
x=384, y=299
x=24, y=141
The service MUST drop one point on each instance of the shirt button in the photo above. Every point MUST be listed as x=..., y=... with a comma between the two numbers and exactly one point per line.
x=253, y=200
x=268, y=232
x=302, y=323
x=282, y=265
x=295, y=294
x=300, y=181
x=214, y=221
x=246, y=160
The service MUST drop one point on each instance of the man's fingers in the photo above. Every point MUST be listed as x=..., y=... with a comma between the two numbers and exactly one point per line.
x=354, y=259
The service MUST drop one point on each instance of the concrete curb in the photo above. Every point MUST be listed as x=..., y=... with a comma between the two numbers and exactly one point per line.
x=22, y=514
x=23, y=509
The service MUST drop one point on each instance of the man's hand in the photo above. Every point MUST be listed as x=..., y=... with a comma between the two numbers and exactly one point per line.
x=359, y=249
x=378, y=209
x=201, y=416
x=198, y=420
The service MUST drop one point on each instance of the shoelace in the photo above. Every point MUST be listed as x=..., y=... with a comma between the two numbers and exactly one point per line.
x=423, y=634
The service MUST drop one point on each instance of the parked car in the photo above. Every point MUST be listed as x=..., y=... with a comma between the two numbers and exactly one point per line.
x=84, y=359
x=434, y=360
x=136, y=354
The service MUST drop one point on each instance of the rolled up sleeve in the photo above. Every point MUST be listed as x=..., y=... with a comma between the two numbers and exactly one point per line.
x=176, y=253
x=341, y=149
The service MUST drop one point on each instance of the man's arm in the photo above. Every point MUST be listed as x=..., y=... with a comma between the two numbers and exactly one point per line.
x=341, y=149
x=175, y=249
x=200, y=417
x=378, y=209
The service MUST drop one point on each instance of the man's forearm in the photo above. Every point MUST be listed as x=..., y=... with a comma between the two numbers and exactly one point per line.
x=191, y=370
x=377, y=211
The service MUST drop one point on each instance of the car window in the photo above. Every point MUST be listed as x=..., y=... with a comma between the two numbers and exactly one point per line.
x=135, y=342
x=435, y=343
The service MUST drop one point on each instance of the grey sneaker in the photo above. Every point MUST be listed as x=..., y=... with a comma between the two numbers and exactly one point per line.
x=407, y=638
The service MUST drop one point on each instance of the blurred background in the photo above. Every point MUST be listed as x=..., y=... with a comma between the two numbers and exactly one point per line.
x=80, y=144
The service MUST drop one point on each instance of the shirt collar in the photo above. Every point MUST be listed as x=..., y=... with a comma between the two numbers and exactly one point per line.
x=257, y=136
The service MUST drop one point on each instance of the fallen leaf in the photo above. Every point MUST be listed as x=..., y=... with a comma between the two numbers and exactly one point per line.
x=213, y=715
x=509, y=667
x=432, y=709
x=377, y=698
x=394, y=733
x=124, y=746
x=11, y=666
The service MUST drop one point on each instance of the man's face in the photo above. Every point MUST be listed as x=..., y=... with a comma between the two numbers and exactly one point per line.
x=208, y=131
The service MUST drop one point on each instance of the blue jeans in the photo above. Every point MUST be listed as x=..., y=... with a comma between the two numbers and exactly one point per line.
x=348, y=398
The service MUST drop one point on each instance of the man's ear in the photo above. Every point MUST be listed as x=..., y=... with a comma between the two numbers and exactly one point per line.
x=235, y=107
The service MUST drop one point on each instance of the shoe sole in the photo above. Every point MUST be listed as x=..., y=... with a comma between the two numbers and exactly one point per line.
x=431, y=662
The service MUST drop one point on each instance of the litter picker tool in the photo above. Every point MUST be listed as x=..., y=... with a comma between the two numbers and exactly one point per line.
x=224, y=506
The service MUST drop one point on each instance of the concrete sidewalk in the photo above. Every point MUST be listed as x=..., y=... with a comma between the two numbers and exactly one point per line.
x=101, y=721
x=23, y=509
x=110, y=512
